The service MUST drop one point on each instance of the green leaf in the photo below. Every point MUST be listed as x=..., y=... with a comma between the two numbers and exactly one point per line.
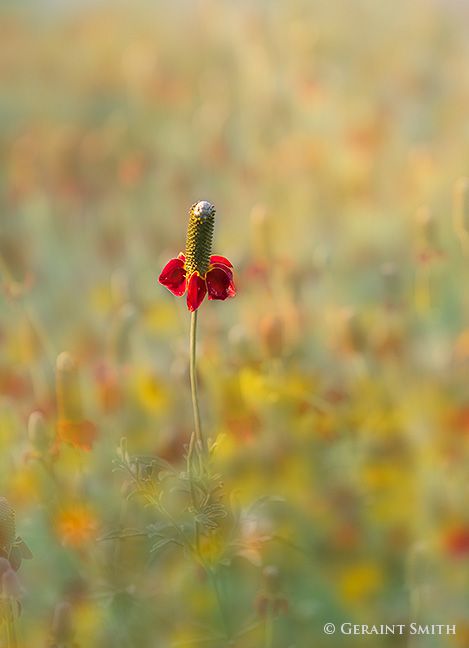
x=162, y=543
x=206, y=521
x=156, y=528
x=180, y=489
x=124, y=533
x=134, y=493
x=156, y=461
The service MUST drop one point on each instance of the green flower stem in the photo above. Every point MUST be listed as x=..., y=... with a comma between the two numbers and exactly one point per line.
x=195, y=397
x=213, y=576
x=157, y=504
x=194, y=502
x=195, y=550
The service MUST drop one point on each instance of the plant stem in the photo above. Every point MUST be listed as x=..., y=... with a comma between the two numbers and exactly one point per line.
x=16, y=623
x=213, y=576
x=9, y=634
x=14, y=635
x=195, y=397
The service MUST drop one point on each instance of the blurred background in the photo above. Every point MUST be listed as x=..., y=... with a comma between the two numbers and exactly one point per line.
x=333, y=139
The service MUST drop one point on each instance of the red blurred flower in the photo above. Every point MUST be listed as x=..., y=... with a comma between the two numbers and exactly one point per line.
x=80, y=434
x=217, y=281
x=457, y=542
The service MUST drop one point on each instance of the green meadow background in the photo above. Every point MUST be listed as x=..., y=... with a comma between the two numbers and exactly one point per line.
x=333, y=139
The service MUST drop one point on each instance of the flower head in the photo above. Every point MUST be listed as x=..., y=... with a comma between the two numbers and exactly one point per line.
x=197, y=270
x=12, y=547
x=76, y=525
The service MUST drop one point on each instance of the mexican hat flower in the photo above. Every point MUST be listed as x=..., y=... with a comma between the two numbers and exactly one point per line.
x=198, y=271
x=12, y=547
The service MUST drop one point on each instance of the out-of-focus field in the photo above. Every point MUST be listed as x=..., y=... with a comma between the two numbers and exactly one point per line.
x=333, y=138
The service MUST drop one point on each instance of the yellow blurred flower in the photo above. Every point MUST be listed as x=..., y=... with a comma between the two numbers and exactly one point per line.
x=161, y=318
x=100, y=298
x=212, y=548
x=76, y=525
x=359, y=582
x=254, y=386
x=151, y=391
x=24, y=485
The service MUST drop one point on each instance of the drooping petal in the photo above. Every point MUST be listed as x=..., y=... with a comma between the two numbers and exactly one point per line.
x=196, y=291
x=24, y=549
x=220, y=283
x=224, y=269
x=216, y=258
x=15, y=557
x=173, y=276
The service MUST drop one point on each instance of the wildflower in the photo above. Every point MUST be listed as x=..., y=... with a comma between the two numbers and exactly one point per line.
x=108, y=389
x=63, y=625
x=72, y=427
x=271, y=598
x=38, y=435
x=11, y=591
x=457, y=542
x=75, y=526
x=12, y=547
x=7, y=524
x=11, y=585
x=4, y=566
x=360, y=582
x=79, y=434
x=197, y=270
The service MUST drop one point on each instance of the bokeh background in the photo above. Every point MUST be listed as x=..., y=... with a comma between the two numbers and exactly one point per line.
x=333, y=138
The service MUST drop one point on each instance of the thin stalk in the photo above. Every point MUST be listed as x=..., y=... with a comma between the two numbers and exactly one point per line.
x=171, y=520
x=203, y=457
x=13, y=627
x=16, y=622
x=195, y=397
x=196, y=551
x=9, y=633
x=194, y=502
x=157, y=504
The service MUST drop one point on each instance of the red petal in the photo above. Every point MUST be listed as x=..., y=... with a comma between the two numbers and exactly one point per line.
x=216, y=258
x=196, y=291
x=224, y=269
x=173, y=276
x=220, y=283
